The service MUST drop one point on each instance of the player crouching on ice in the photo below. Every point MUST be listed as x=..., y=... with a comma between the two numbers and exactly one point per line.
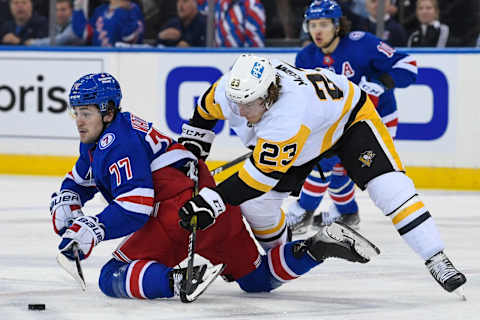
x=146, y=177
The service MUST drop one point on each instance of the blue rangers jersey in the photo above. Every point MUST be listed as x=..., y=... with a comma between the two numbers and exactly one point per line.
x=362, y=54
x=108, y=26
x=120, y=166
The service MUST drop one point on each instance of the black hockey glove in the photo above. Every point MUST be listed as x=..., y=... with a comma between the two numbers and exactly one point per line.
x=207, y=206
x=197, y=140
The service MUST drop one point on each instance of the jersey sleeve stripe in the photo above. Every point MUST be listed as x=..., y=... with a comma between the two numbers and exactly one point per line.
x=328, y=139
x=169, y=157
x=255, y=178
x=408, y=63
x=139, y=200
x=75, y=176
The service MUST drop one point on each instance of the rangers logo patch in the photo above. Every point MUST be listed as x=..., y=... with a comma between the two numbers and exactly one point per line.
x=106, y=140
x=366, y=158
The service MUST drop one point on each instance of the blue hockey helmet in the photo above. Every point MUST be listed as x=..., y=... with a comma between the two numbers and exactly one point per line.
x=100, y=89
x=323, y=9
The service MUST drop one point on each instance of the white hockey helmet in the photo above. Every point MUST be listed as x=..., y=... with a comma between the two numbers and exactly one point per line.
x=249, y=79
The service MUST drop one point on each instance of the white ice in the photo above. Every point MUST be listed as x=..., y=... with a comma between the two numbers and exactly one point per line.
x=395, y=286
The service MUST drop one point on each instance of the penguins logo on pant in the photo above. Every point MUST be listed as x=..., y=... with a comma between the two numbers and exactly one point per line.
x=366, y=158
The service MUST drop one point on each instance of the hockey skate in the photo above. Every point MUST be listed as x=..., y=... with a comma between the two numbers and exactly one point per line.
x=326, y=218
x=443, y=271
x=337, y=241
x=201, y=279
x=298, y=220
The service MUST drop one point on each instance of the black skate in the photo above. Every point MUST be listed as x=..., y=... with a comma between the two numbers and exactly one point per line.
x=443, y=271
x=201, y=279
x=324, y=219
x=337, y=241
x=299, y=225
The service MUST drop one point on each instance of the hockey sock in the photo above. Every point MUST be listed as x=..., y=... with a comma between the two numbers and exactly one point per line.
x=313, y=190
x=342, y=191
x=141, y=279
x=395, y=194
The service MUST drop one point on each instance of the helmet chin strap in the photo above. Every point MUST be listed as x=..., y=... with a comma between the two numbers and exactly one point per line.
x=331, y=41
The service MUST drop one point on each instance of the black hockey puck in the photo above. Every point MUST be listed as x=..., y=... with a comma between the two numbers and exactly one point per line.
x=38, y=306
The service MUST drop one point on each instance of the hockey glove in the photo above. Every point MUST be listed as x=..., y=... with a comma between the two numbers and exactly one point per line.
x=207, y=206
x=197, y=140
x=373, y=88
x=86, y=232
x=64, y=208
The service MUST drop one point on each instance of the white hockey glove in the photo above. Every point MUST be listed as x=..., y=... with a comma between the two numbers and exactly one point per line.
x=372, y=88
x=64, y=208
x=86, y=232
x=197, y=140
x=207, y=206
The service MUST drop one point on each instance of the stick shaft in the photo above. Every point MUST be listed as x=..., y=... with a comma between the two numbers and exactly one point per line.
x=230, y=164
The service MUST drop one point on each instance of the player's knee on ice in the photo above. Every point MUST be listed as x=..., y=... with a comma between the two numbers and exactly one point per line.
x=146, y=279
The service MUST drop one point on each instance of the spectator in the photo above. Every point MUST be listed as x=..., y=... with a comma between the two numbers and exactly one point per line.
x=394, y=33
x=116, y=21
x=431, y=33
x=239, y=23
x=188, y=29
x=63, y=29
x=24, y=25
x=156, y=13
x=4, y=11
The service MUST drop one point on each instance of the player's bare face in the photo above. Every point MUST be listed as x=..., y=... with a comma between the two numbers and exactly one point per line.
x=89, y=123
x=252, y=111
x=322, y=31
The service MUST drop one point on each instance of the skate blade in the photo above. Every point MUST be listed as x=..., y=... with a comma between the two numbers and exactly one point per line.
x=210, y=275
x=363, y=246
x=460, y=293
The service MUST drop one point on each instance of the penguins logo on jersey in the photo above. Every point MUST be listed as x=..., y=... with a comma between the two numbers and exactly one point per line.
x=106, y=140
x=366, y=158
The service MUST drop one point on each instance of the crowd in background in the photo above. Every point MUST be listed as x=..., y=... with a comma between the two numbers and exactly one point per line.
x=238, y=23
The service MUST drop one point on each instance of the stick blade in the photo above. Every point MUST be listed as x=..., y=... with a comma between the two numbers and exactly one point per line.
x=71, y=268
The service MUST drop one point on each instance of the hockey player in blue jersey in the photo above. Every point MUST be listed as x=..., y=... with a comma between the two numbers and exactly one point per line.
x=112, y=22
x=374, y=66
x=146, y=177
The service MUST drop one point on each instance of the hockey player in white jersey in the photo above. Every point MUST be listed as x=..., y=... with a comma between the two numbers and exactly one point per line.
x=291, y=118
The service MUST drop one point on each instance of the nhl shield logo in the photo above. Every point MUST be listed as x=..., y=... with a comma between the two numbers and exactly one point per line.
x=366, y=158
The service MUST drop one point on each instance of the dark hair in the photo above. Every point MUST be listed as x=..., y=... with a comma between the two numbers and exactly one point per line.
x=345, y=27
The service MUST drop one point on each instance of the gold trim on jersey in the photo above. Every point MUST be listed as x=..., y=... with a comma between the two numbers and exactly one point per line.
x=407, y=211
x=271, y=159
x=272, y=231
x=207, y=108
x=328, y=138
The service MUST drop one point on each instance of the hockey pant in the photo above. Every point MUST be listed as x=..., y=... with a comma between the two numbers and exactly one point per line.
x=368, y=154
x=340, y=187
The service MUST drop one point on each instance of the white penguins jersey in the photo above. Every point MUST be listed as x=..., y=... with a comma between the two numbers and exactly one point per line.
x=310, y=115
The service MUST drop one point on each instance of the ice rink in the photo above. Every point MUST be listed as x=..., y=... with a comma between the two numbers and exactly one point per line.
x=395, y=286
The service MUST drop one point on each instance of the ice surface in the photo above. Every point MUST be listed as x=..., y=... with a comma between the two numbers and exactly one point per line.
x=396, y=286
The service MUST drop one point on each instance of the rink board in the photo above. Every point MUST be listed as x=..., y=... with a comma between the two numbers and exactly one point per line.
x=438, y=115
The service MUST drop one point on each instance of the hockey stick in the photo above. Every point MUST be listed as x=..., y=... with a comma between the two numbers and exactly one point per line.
x=73, y=268
x=191, y=244
x=230, y=164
